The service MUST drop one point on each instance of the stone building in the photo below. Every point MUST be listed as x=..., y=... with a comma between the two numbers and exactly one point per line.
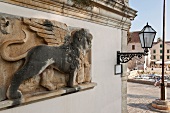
x=134, y=45
x=154, y=58
x=52, y=22
x=156, y=53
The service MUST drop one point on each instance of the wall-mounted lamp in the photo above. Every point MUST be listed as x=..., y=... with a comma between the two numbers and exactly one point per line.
x=146, y=35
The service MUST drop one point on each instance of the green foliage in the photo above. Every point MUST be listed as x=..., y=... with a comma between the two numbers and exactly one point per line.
x=82, y=3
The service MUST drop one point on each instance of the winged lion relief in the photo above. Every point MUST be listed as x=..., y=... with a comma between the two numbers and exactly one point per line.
x=40, y=55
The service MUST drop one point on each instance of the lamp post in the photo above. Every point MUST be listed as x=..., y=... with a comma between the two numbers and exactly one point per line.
x=162, y=104
x=147, y=35
x=163, y=55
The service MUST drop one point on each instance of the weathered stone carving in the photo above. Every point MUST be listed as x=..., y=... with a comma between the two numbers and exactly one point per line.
x=64, y=58
x=47, y=77
x=4, y=26
x=39, y=55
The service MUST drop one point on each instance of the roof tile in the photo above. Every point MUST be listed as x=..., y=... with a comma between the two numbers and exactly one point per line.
x=134, y=37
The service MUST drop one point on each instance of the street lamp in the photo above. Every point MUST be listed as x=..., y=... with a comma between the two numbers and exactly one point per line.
x=147, y=35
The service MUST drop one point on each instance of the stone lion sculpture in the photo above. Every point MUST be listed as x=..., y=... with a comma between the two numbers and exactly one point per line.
x=64, y=58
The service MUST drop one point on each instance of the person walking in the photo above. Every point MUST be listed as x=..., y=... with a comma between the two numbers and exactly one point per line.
x=157, y=81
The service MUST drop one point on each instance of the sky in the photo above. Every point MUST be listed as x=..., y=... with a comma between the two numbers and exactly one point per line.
x=151, y=11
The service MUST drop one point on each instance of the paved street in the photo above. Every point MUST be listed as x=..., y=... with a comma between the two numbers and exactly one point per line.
x=140, y=95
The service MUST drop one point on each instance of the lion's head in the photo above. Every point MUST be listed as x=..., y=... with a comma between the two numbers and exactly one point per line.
x=82, y=38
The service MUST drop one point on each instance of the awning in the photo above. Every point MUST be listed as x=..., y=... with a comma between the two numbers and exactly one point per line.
x=160, y=62
x=167, y=62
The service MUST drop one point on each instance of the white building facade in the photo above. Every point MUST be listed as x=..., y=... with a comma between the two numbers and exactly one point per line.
x=156, y=53
x=109, y=30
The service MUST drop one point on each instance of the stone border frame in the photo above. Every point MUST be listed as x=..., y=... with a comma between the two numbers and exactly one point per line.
x=113, y=14
x=46, y=95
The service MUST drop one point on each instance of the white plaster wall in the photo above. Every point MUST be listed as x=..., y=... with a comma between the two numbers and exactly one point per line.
x=106, y=96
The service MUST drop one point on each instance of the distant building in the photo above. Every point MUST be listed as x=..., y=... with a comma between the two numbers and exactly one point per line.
x=154, y=58
x=134, y=45
x=156, y=53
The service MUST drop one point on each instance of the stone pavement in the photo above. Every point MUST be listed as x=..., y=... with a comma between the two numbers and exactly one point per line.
x=139, y=96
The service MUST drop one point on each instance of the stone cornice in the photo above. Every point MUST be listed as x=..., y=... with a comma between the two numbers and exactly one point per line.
x=111, y=14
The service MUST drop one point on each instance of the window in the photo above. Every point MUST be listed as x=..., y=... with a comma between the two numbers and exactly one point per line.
x=154, y=57
x=160, y=51
x=154, y=51
x=168, y=51
x=160, y=57
x=168, y=57
x=160, y=45
x=133, y=47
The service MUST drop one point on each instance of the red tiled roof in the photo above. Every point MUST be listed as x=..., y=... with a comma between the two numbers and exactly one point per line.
x=134, y=37
x=155, y=42
x=166, y=42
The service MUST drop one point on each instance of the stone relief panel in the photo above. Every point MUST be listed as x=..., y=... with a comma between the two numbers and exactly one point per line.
x=41, y=56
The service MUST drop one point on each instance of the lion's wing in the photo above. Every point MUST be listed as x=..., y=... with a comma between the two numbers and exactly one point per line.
x=52, y=32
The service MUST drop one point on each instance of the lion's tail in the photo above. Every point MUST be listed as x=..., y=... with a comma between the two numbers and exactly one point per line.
x=4, y=54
